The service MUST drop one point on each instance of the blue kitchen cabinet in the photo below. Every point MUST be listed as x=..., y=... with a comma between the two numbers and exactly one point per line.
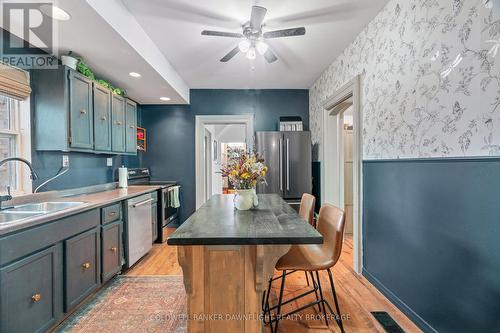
x=74, y=113
x=82, y=267
x=102, y=118
x=131, y=127
x=81, y=111
x=118, y=124
x=31, y=291
x=111, y=250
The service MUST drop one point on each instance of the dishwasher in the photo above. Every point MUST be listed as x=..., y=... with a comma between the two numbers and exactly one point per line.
x=138, y=228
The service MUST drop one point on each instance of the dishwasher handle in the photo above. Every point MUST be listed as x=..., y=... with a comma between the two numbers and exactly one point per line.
x=142, y=203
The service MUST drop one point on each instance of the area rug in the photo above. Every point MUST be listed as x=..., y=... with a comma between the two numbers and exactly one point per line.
x=133, y=304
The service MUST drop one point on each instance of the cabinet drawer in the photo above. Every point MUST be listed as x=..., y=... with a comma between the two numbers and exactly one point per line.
x=32, y=292
x=82, y=266
x=111, y=213
x=111, y=250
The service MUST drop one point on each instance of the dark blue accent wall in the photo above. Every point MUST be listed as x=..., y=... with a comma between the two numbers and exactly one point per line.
x=171, y=128
x=431, y=233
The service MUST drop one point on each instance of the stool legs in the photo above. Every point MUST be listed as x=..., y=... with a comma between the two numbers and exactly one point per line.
x=322, y=298
x=339, y=318
x=279, y=303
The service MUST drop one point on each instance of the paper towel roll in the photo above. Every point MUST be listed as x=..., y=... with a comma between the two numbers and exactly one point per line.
x=122, y=177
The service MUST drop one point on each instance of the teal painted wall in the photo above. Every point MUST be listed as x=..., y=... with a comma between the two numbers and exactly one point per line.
x=431, y=231
x=171, y=130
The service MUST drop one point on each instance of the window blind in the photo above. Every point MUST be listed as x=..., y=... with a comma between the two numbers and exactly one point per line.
x=14, y=82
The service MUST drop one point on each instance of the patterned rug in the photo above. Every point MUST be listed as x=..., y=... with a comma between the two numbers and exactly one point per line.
x=133, y=304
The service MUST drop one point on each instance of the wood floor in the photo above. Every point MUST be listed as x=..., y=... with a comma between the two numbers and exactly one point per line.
x=357, y=297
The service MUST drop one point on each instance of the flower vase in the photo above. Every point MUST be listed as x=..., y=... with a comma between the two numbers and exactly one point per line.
x=255, y=198
x=243, y=199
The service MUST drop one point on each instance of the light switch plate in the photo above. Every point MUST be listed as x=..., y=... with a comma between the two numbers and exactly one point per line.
x=109, y=161
x=65, y=161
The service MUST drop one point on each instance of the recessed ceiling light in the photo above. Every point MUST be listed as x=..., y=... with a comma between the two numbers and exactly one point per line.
x=55, y=12
x=134, y=74
x=165, y=99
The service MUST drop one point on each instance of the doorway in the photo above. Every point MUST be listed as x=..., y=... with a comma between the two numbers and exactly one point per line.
x=341, y=166
x=213, y=137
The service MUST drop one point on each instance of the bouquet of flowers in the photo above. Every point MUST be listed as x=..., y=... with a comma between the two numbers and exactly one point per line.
x=244, y=169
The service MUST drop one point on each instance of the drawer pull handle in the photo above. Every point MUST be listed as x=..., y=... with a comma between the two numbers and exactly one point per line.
x=83, y=111
x=112, y=213
x=86, y=265
x=36, y=297
x=113, y=249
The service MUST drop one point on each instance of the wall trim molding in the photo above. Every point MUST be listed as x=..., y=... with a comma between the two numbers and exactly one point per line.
x=200, y=122
x=419, y=321
x=438, y=159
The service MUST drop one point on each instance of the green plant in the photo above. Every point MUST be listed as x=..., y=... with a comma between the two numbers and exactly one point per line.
x=83, y=68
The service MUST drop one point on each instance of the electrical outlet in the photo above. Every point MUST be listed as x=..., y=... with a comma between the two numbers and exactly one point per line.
x=65, y=161
x=109, y=161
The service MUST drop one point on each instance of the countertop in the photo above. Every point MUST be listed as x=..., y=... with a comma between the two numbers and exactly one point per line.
x=91, y=201
x=217, y=222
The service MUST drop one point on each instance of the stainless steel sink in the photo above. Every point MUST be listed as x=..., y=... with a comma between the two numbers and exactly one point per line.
x=15, y=217
x=42, y=207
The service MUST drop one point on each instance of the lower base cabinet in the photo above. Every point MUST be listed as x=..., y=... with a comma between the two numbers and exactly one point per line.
x=31, y=291
x=82, y=266
x=111, y=249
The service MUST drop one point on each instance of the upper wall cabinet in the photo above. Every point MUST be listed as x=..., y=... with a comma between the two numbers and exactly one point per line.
x=131, y=127
x=118, y=121
x=73, y=113
x=102, y=118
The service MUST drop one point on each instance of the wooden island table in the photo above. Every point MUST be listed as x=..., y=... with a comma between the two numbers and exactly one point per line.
x=227, y=257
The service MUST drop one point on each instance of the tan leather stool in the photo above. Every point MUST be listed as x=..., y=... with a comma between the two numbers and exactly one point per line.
x=313, y=258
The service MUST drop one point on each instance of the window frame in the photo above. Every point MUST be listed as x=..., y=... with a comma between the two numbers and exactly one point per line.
x=20, y=131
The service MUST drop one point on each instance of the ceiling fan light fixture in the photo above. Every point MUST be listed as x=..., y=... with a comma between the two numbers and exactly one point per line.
x=244, y=45
x=251, y=53
x=262, y=47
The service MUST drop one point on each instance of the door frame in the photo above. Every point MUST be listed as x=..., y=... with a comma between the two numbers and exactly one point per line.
x=200, y=122
x=333, y=160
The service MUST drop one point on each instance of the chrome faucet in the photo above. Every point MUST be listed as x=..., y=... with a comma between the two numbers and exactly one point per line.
x=33, y=176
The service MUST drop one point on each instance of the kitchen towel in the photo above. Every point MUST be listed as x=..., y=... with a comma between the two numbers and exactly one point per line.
x=174, y=197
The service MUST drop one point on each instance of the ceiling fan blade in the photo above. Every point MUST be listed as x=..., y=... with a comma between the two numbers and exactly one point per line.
x=270, y=56
x=221, y=34
x=285, y=33
x=231, y=54
x=257, y=17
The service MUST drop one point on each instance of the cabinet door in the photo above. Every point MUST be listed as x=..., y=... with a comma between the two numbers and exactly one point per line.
x=111, y=250
x=82, y=266
x=32, y=292
x=102, y=118
x=154, y=220
x=118, y=124
x=81, y=113
x=131, y=128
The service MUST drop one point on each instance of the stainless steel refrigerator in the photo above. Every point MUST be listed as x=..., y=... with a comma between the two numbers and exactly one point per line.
x=288, y=157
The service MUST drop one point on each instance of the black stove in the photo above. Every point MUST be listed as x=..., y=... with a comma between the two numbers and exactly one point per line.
x=168, y=215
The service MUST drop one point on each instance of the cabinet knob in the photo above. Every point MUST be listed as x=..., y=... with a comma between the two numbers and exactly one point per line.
x=83, y=111
x=36, y=297
x=113, y=249
x=112, y=213
x=86, y=265
x=118, y=122
x=103, y=118
x=132, y=126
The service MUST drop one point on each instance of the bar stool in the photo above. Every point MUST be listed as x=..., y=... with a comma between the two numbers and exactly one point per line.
x=312, y=258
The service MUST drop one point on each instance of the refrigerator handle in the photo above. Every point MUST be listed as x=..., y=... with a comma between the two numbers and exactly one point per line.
x=287, y=164
x=281, y=164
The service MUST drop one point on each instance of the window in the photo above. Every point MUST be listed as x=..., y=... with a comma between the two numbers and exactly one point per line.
x=14, y=141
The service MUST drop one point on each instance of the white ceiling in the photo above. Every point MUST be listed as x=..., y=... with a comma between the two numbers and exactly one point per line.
x=175, y=26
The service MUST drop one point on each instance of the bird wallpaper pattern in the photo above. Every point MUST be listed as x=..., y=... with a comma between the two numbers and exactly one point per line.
x=430, y=80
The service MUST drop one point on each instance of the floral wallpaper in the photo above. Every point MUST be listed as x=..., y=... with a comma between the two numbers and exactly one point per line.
x=430, y=80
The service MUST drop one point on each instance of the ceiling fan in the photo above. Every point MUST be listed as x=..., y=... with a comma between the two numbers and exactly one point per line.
x=253, y=39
